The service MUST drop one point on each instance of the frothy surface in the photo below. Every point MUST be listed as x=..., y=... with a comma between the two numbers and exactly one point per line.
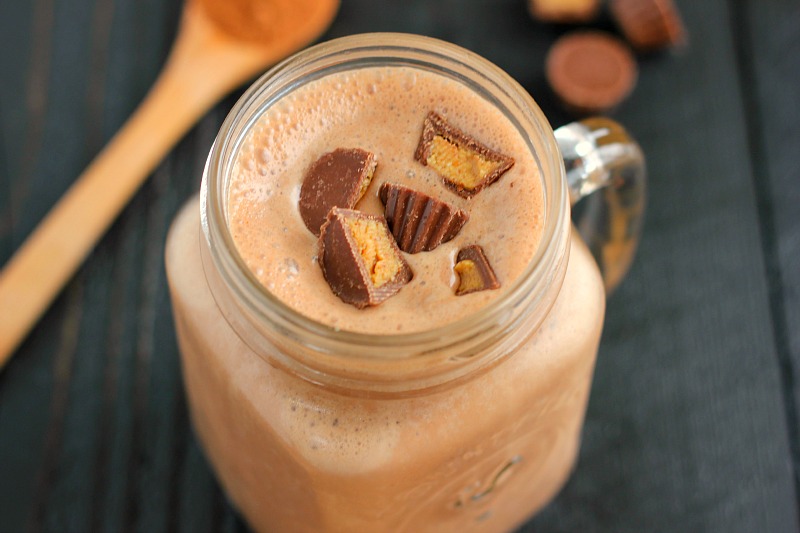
x=380, y=110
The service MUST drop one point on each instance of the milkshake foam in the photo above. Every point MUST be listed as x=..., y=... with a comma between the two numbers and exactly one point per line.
x=380, y=110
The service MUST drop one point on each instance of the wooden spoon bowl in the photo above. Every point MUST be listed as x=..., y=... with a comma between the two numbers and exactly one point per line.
x=220, y=45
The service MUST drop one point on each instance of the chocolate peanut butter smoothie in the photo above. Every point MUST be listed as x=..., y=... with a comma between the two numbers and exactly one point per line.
x=409, y=339
x=381, y=111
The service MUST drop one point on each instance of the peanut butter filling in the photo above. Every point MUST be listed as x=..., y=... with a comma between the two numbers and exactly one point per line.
x=376, y=250
x=459, y=165
x=470, y=279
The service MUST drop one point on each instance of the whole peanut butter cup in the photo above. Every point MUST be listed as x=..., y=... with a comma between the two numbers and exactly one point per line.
x=360, y=259
x=649, y=25
x=591, y=71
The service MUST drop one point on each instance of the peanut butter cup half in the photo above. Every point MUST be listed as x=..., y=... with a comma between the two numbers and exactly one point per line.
x=466, y=165
x=474, y=271
x=337, y=179
x=360, y=259
x=419, y=222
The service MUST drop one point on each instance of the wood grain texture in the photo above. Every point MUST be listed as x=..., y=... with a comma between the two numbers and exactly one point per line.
x=771, y=62
x=688, y=426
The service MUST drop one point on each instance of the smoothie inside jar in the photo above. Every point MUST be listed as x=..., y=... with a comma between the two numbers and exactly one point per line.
x=381, y=110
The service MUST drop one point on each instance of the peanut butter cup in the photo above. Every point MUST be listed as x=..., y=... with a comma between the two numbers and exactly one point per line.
x=474, y=271
x=591, y=71
x=649, y=25
x=564, y=11
x=419, y=222
x=465, y=165
x=337, y=179
x=360, y=259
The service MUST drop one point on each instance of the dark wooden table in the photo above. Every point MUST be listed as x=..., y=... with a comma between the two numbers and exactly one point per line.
x=693, y=420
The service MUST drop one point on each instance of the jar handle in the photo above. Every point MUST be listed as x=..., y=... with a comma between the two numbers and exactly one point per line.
x=600, y=156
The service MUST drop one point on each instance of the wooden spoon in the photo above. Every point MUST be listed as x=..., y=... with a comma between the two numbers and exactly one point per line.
x=220, y=45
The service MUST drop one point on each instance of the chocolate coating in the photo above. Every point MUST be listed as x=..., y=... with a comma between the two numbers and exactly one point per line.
x=436, y=126
x=419, y=222
x=475, y=272
x=649, y=25
x=591, y=71
x=344, y=266
x=337, y=179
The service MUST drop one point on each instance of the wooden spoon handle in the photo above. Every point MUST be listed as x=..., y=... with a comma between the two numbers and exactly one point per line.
x=201, y=68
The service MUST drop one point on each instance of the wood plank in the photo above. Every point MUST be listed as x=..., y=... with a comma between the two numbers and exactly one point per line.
x=116, y=419
x=16, y=27
x=32, y=389
x=199, y=492
x=33, y=394
x=772, y=70
x=25, y=94
x=5, y=196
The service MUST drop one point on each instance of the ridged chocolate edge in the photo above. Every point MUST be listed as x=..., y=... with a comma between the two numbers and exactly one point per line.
x=419, y=222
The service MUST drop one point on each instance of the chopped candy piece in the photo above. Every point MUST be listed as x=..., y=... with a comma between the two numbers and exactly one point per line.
x=360, y=259
x=337, y=179
x=474, y=271
x=419, y=222
x=466, y=165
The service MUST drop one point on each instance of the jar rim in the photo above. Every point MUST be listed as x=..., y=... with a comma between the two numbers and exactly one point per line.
x=417, y=50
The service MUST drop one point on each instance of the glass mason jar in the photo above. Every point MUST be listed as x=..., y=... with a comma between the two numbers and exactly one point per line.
x=471, y=426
